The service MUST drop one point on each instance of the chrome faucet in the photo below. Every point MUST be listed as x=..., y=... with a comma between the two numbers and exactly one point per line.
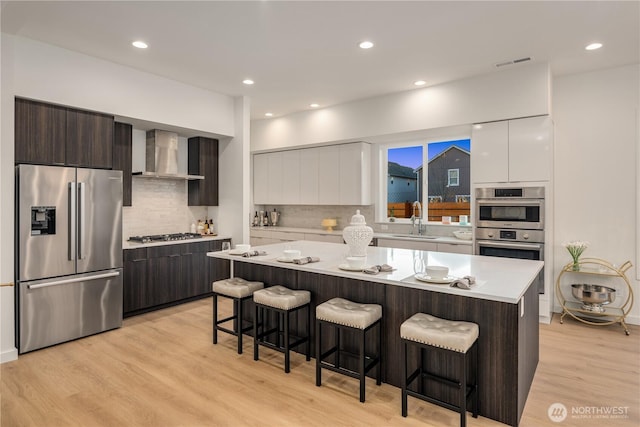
x=413, y=217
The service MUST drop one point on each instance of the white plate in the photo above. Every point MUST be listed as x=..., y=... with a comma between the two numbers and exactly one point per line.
x=283, y=259
x=346, y=267
x=445, y=280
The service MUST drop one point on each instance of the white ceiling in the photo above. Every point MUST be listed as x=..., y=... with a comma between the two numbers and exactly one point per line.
x=302, y=52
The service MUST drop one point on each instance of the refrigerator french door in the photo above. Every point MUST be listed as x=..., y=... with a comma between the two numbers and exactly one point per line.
x=68, y=253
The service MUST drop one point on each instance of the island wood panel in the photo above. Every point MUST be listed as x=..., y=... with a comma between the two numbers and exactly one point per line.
x=508, y=343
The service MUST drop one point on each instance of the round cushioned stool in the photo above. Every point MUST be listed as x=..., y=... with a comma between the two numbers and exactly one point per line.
x=284, y=302
x=457, y=339
x=239, y=290
x=343, y=315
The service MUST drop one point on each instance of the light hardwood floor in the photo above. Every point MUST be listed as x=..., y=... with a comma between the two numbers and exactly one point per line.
x=161, y=369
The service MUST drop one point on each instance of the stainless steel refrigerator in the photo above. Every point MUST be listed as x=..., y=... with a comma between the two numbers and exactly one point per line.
x=68, y=254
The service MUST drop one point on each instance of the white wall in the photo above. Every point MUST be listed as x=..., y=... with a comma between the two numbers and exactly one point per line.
x=596, y=147
x=518, y=92
x=35, y=70
x=234, y=190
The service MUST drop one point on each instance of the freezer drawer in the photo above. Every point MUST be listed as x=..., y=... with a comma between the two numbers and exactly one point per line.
x=62, y=309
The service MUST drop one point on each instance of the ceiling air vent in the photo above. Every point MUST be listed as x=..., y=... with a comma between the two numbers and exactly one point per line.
x=512, y=62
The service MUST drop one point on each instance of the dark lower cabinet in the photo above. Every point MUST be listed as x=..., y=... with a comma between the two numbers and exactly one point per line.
x=161, y=276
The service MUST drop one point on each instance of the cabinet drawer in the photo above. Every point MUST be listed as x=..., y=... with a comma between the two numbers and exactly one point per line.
x=134, y=254
x=166, y=250
x=408, y=244
x=455, y=248
x=287, y=236
x=323, y=238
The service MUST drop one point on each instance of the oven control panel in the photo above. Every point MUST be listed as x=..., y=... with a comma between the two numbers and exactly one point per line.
x=512, y=235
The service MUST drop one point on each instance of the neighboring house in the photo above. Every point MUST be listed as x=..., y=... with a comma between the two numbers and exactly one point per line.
x=449, y=176
x=401, y=183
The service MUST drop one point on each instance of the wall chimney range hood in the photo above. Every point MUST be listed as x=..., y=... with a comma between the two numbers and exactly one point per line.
x=161, y=160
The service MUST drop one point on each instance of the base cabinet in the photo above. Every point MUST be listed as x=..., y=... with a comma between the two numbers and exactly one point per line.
x=161, y=276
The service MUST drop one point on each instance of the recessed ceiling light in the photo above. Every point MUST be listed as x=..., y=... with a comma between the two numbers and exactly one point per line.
x=247, y=81
x=314, y=105
x=366, y=45
x=140, y=44
x=268, y=114
x=419, y=83
x=593, y=46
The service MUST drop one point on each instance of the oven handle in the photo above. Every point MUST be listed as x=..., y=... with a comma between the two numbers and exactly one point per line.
x=508, y=202
x=513, y=245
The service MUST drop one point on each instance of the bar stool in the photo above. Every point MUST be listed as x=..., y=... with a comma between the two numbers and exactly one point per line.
x=345, y=315
x=457, y=339
x=284, y=302
x=239, y=290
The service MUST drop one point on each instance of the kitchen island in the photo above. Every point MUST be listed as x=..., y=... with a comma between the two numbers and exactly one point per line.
x=503, y=303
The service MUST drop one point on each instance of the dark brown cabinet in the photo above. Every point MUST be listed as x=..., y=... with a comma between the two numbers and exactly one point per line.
x=40, y=132
x=136, y=292
x=203, y=160
x=55, y=135
x=161, y=276
x=122, y=152
x=89, y=139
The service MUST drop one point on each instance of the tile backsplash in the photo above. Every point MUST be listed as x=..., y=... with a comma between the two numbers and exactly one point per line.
x=308, y=216
x=159, y=206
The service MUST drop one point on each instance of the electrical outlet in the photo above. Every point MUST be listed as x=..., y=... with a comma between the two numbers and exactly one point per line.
x=384, y=227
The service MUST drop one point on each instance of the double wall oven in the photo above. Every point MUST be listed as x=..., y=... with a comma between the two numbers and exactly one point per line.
x=510, y=223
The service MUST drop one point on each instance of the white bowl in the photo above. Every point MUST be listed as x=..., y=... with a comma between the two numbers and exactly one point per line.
x=243, y=248
x=463, y=234
x=437, y=271
x=290, y=254
x=356, y=262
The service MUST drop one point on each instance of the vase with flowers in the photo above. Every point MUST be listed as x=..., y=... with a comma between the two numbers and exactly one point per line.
x=576, y=249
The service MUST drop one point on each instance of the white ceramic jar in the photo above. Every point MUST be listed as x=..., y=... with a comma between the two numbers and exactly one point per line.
x=358, y=235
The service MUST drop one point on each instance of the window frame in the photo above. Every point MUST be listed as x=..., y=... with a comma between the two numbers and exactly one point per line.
x=383, y=159
x=457, y=173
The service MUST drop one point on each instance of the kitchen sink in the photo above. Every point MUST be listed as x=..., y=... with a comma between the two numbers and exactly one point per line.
x=415, y=236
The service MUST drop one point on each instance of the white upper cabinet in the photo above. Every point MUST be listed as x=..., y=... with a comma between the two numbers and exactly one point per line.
x=530, y=149
x=512, y=151
x=260, y=178
x=490, y=152
x=331, y=175
x=291, y=176
x=328, y=175
x=355, y=182
x=274, y=192
x=309, y=176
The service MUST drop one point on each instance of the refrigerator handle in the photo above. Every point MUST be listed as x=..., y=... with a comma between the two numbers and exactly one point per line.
x=81, y=219
x=72, y=221
x=74, y=280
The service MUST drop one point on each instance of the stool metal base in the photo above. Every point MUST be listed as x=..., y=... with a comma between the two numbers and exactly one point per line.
x=365, y=363
x=238, y=329
x=465, y=392
x=281, y=330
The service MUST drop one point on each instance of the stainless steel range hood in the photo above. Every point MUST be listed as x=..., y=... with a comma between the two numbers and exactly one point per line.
x=162, y=157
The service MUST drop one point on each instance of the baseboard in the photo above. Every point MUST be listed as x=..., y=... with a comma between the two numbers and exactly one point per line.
x=544, y=319
x=9, y=355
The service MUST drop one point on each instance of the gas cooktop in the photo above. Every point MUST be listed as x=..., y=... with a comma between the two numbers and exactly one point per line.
x=164, y=237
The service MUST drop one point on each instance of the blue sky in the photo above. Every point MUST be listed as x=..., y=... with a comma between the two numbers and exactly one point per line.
x=412, y=156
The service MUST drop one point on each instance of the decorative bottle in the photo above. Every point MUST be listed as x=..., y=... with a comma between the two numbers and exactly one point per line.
x=357, y=235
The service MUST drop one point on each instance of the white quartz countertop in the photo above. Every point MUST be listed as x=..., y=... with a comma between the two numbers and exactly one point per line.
x=498, y=279
x=126, y=244
x=393, y=236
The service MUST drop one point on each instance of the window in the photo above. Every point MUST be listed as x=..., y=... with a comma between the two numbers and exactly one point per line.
x=438, y=172
x=454, y=177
